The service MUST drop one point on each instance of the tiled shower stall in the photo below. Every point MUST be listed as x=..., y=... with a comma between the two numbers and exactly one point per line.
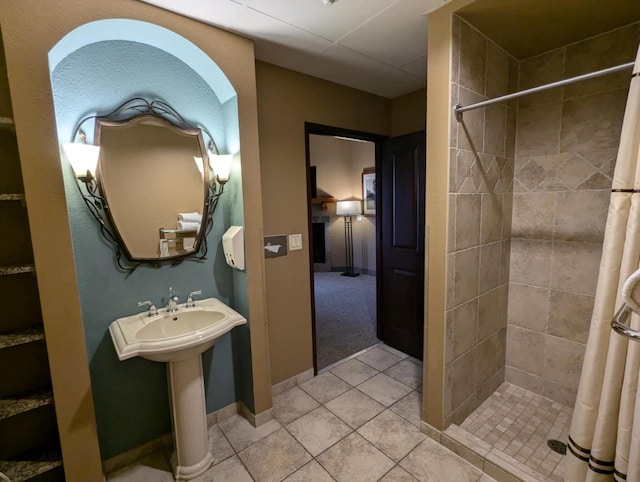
x=527, y=213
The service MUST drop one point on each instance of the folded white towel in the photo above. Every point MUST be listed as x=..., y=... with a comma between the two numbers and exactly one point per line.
x=188, y=226
x=190, y=217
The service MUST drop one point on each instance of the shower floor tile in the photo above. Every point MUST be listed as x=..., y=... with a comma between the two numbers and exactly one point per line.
x=519, y=423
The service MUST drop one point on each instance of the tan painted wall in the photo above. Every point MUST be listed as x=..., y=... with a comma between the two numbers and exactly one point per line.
x=286, y=100
x=27, y=43
x=408, y=113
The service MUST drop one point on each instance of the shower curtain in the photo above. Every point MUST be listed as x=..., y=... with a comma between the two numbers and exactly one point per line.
x=604, y=439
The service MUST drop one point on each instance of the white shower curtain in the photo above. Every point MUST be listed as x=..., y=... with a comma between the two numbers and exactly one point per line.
x=604, y=440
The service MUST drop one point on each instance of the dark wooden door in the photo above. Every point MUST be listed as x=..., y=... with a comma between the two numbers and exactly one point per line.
x=401, y=191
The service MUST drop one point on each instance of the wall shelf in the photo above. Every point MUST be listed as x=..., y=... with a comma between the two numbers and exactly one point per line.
x=11, y=197
x=7, y=123
x=16, y=338
x=10, y=270
x=16, y=404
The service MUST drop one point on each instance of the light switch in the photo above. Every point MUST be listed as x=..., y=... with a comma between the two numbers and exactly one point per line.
x=295, y=242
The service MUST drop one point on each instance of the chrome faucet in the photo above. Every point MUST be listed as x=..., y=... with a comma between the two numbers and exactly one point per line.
x=190, y=302
x=172, y=305
x=152, y=311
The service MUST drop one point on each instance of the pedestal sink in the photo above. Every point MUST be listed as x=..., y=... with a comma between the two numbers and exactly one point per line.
x=179, y=339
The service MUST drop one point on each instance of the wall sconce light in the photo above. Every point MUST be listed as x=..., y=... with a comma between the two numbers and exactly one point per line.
x=221, y=164
x=348, y=209
x=83, y=157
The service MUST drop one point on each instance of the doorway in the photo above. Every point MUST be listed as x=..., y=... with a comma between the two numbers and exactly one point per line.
x=380, y=297
x=343, y=244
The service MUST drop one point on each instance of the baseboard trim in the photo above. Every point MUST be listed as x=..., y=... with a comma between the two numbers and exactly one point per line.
x=430, y=431
x=294, y=381
x=255, y=419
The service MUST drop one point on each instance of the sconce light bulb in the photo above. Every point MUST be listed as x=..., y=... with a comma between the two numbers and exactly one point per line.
x=83, y=159
x=221, y=164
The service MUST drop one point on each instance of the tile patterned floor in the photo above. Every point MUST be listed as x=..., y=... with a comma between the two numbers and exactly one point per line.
x=356, y=421
x=519, y=423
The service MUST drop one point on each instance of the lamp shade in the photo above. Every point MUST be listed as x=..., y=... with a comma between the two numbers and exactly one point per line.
x=82, y=157
x=221, y=164
x=348, y=208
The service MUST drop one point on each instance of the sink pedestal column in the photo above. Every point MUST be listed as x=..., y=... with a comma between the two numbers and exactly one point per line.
x=189, y=416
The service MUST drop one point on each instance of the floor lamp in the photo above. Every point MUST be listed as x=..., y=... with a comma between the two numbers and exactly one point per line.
x=348, y=209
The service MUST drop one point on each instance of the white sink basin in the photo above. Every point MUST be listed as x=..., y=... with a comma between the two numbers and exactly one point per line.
x=175, y=336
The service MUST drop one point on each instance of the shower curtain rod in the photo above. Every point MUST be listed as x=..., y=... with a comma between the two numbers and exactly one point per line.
x=459, y=109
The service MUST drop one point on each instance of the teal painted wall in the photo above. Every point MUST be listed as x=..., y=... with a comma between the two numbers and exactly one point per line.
x=130, y=397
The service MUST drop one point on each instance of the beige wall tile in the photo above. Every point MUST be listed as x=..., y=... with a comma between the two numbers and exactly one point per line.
x=503, y=305
x=530, y=261
x=473, y=58
x=464, y=321
x=560, y=394
x=540, y=70
x=593, y=122
x=488, y=358
x=491, y=223
x=449, y=338
x=485, y=389
x=539, y=130
x=533, y=215
x=510, y=142
x=505, y=261
x=524, y=380
x=455, y=48
x=574, y=171
x=563, y=361
x=466, y=264
x=490, y=260
x=464, y=161
x=473, y=121
x=507, y=215
x=581, y=216
x=463, y=370
x=575, y=265
x=451, y=226
x=612, y=48
x=450, y=281
x=490, y=318
x=467, y=227
x=525, y=350
x=528, y=306
x=495, y=129
x=570, y=315
x=498, y=65
x=529, y=174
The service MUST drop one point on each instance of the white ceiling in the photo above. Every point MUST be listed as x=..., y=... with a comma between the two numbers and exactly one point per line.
x=378, y=46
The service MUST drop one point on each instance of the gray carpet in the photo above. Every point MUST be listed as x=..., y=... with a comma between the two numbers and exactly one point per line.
x=345, y=316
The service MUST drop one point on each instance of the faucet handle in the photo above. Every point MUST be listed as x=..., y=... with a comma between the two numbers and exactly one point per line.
x=152, y=311
x=190, y=302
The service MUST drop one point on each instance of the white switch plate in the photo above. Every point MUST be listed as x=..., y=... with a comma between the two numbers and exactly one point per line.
x=295, y=242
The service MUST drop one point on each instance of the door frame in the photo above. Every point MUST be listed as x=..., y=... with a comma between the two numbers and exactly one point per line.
x=325, y=130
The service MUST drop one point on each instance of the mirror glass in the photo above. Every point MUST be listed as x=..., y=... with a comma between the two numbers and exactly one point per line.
x=153, y=186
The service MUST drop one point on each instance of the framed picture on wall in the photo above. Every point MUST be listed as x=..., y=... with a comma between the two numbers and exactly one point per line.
x=369, y=193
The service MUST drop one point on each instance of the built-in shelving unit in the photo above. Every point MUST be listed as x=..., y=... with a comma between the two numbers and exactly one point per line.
x=29, y=442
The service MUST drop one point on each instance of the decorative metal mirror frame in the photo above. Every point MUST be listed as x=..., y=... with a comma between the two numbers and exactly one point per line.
x=158, y=110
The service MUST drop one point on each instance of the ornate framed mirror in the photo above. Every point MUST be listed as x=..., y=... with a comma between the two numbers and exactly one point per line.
x=152, y=184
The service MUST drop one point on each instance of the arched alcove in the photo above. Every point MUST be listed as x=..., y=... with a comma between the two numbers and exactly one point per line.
x=93, y=69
